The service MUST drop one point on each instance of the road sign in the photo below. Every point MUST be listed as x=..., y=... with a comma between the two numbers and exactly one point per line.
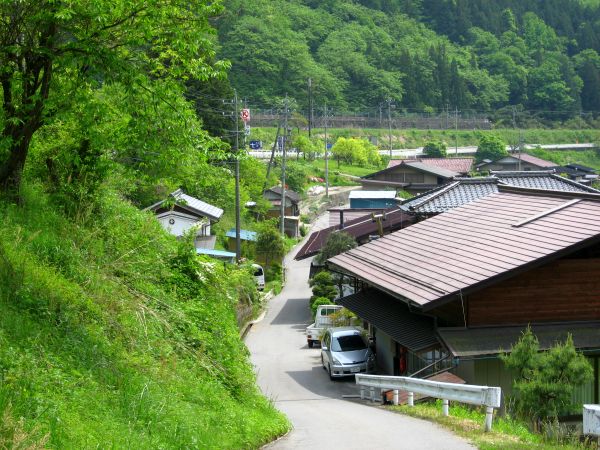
x=247, y=130
x=329, y=145
x=245, y=115
x=255, y=145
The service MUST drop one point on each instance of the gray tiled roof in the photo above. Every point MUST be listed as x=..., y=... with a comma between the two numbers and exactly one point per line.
x=465, y=190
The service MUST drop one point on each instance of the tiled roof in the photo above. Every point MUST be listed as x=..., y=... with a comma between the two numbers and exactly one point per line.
x=465, y=190
x=467, y=248
x=359, y=228
x=541, y=180
x=192, y=204
x=460, y=165
x=468, y=342
x=393, y=317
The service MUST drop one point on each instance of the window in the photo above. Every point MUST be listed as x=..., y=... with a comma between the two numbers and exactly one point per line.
x=348, y=343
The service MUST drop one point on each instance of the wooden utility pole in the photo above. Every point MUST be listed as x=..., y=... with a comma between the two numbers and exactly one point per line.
x=389, y=102
x=238, y=241
x=326, y=117
x=310, y=108
x=456, y=131
x=285, y=135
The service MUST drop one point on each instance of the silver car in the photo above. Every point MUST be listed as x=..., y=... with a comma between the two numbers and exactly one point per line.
x=345, y=352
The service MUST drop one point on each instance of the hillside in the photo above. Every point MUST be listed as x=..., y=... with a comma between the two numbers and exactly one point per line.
x=470, y=55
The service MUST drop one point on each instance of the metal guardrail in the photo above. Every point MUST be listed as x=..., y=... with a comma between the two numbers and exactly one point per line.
x=489, y=397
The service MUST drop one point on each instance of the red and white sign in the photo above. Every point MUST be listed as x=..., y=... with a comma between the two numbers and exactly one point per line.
x=245, y=115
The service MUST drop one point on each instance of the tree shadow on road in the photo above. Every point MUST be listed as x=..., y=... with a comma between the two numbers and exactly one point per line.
x=317, y=381
x=294, y=312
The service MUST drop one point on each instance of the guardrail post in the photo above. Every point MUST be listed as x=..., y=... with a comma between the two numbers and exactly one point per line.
x=411, y=399
x=489, y=415
x=445, y=407
x=362, y=393
x=396, y=396
x=372, y=391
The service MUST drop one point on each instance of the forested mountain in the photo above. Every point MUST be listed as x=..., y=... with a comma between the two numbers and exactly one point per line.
x=421, y=54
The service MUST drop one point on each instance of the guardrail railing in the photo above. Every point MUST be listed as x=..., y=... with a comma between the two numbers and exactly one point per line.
x=489, y=397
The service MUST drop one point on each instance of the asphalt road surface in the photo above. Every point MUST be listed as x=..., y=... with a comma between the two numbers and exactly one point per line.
x=291, y=375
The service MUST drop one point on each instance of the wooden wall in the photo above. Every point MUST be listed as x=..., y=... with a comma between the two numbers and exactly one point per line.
x=564, y=290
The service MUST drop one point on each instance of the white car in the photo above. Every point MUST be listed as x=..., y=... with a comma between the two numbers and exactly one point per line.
x=259, y=276
x=345, y=352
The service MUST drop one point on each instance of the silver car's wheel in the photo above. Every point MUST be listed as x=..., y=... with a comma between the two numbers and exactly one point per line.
x=329, y=371
x=323, y=362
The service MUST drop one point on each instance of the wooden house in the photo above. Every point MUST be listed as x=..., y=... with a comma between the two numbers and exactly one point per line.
x=454, y=291
x=292, y=208
x=516, y=162
x=418, y=175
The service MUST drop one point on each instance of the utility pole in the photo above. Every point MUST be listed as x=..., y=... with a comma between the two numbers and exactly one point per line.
x=389, y=102
x=456, y=131
x=310, y=108
x=285, y=135
x=238, y=241
x=519, y=143
x=325, y=113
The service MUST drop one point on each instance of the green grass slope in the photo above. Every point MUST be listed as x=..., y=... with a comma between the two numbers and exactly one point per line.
x=113, y=335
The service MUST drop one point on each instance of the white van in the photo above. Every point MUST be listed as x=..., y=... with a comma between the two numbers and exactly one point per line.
x=259, y=276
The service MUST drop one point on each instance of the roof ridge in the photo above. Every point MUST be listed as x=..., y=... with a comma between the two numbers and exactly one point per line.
x=441, y=191
x=575, y=183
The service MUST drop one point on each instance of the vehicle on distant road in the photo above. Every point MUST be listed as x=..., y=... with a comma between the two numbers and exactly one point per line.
x=259, y=276
x=322, y=322
x=345, y=352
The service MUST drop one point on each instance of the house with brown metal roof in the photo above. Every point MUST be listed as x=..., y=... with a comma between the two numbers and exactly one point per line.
x=363, y=229
x=482, y=273
x=522, y=161
x=462, y=166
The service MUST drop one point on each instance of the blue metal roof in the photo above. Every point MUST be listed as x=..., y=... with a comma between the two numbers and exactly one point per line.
x=215, y=253
x=245, y=235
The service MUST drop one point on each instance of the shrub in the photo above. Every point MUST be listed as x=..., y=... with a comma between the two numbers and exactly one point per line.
x=490, y=147
x=435, y=149
x=322, y=286
x=544, y=381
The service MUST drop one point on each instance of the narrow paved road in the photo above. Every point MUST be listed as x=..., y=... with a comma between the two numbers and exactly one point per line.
x=291, y=374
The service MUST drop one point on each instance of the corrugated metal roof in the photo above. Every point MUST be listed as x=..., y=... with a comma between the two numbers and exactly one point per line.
x=535, y=160
x=393, y=317
x=439, y=171
x=192, y=204
x=199, y=206
x=469, y=247
x=245, y=235
x=372, y=194
x=293, y=196
x=465, y=190
x=460, y=165
x=358, y=228
x=215, y=253
x=472, y=342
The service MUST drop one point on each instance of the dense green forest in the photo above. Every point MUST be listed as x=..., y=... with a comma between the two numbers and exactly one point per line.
x=424, y=55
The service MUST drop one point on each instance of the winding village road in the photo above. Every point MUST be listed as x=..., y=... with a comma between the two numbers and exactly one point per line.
x=291, y=375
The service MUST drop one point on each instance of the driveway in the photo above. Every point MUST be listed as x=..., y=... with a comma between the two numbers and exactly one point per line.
x=291, y=375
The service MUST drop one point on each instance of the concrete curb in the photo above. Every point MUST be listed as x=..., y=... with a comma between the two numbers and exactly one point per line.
x=267, y=298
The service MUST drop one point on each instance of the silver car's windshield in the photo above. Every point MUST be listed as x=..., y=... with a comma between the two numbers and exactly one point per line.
x=348, y=343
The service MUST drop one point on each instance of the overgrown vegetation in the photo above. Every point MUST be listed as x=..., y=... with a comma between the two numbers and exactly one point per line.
x=507, y=433
x=112, y=333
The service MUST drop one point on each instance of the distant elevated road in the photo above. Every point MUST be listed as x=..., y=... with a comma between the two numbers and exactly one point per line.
x=468, y=150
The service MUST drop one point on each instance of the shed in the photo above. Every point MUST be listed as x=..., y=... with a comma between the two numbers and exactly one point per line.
x=372, y=199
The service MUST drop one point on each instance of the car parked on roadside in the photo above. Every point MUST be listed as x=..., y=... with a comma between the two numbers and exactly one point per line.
x=346, y=352
x=259, y=276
